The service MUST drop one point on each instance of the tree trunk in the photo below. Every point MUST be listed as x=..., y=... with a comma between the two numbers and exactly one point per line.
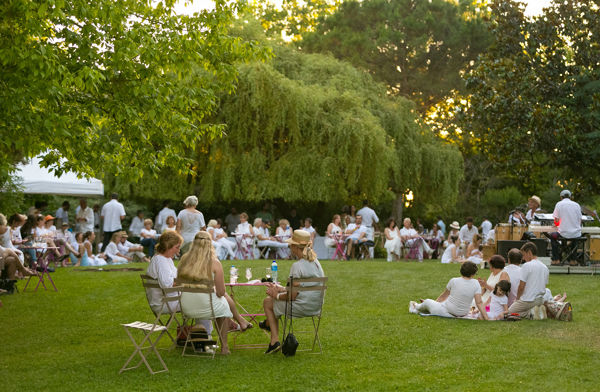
x=397, y=209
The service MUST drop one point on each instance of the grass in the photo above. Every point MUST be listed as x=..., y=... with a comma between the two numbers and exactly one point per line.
x=72, y=339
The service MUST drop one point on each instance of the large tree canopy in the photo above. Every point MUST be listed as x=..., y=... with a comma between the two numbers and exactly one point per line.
x=535, y=103
x=418, y=48
x=310, y=128
x=119, y=87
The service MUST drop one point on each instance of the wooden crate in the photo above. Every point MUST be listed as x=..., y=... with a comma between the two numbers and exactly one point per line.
x=503, y=232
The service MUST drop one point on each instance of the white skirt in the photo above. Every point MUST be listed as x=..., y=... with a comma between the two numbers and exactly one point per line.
x=197, y=305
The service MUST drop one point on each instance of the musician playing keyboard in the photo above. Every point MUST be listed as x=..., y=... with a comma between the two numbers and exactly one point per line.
x=567, y=219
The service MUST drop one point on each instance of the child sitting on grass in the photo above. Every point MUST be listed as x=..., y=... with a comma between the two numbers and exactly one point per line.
x=499, y=303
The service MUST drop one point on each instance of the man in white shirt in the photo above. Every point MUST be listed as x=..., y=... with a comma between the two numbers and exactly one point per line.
x=513, y=269
x=112, y=214
x=161, y=218
x=534, y=279
x=412, y=239
x=567, y=219
x=84, y=217
x=486, y=226
x=62, y=214
x=357, y=233
x=369, y=220
x=467, y=232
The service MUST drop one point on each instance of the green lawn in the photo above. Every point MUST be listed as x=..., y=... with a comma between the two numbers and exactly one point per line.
x=72, y=339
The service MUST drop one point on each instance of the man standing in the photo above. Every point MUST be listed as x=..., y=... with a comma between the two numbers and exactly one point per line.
x=161, y=218
x=486, y=226
x=467, y=232
x=62, y=214
x=567, y=219
x=232, y=220
x=84, y=217
x=534, y=278
x=441, y=225
x=112, y=214
x=369, y=220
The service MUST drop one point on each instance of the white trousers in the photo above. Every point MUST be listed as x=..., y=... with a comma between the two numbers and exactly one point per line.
x=433, y=307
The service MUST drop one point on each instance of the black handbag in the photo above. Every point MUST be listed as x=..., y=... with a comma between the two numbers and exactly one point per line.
x=290, y=343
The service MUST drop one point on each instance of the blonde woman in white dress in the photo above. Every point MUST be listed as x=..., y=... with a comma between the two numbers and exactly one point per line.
x=393, y=242
x=334, y=229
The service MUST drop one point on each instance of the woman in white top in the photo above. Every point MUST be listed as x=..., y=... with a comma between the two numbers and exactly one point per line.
x=221, y=238
x=112, y=251
x=308, y=228
x=137, y=224
x=456, y=300
x=163, y=269
x=244, y=233
x=87, y=257
x=148, y=237
x=393, y=242
x=436, y=240
x=220, y=251
x=170, y=224
x=333, y=229
x=189, y=221
x=283, y=232
x=450, y=255
x=497, y=274
x=201, y=263
x=45, y=232
x=473, y=253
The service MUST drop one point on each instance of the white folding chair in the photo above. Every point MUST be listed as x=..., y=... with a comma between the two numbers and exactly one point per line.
x=170, y=303
x=307, y=285
x=146, y=343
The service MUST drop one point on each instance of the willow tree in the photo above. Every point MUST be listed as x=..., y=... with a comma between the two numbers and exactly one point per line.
x=311, y=128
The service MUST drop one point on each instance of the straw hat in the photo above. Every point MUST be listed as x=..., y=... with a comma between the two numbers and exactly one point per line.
x=300, y=237
x=123, y=233
x=48, y=218
x=455, y=225
x=212, y=223
x=536, y=199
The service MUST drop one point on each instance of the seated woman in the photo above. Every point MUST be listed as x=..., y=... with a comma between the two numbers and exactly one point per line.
x=393, y=243
x=112, y=251
x=282, y=233
x=86, y=256
x=308, y=228
x=244, y=234
x=264, y=238
x=497, y=274
x=474, y=254
x=436, y=240
x=456, y=300
x=334, y=230
x=148, y=237
x=10, y=259
x=451, y=253
x=44, y=232
x=12, y=237
x=305, y=303
x=200, y=262
x=220, y=237
x=170, y=224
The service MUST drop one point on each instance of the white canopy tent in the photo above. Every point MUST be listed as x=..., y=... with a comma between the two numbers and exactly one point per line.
x=38, y=180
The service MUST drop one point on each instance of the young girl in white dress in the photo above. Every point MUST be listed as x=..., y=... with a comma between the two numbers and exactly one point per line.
x=499, y=302
x=393, y=243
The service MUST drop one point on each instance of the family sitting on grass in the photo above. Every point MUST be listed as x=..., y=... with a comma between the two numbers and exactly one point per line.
x=510, y=290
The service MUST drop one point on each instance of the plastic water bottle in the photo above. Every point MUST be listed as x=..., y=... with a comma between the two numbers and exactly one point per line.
x=274, y=271
x=233, y=275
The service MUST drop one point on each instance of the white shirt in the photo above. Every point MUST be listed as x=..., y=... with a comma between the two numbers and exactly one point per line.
x=530, y=215
x=368, y=216
x=514, y=274
x=359, y=230
x=535, y=274
x=191, y=224
x=62, y=214
x=162, y=269
x=404, y=232
x=486, y=226
x=124, y=247
x=466, y=235
x=568, y=214
x=136, y=226
x=497, y=306
x=161, y=218
x=462, y=292
x=112, y=213
x=87, y=214
x=261, y=231
x=447, y=256
x=111, y=250
x=148, y=233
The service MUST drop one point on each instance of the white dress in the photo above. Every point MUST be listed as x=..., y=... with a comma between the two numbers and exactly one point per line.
x=191, y=223
x=394, y=245
x=197, y=305
x=331, y=242
x=447, y=256
x=475, y=257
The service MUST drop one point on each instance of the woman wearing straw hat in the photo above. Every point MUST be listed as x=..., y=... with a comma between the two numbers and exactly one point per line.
x=305, y=303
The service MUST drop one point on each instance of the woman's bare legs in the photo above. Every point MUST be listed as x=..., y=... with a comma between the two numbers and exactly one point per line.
x=221, y=327
x=236, y=314
x=271, y=319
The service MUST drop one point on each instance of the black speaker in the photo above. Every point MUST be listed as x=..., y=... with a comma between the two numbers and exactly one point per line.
x=505, y=246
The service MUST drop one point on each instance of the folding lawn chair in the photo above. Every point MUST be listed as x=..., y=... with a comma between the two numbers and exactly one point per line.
x=307, y=285
x=148, y=330
x=203, y=286
x=170, y=306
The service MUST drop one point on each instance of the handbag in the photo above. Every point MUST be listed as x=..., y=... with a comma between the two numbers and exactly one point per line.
x=290, y=343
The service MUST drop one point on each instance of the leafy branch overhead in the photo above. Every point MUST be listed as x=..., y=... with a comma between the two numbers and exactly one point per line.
x=114, y=87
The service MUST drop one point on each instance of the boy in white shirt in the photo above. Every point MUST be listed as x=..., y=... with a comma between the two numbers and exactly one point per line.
x=534, y=278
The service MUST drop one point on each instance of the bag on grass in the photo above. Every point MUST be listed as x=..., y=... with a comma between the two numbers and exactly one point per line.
x=561, y=311
x=290, y=343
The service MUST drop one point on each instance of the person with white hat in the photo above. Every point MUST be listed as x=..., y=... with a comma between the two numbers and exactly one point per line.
x=306, y=303
x=567, y=219
x=534, y=203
